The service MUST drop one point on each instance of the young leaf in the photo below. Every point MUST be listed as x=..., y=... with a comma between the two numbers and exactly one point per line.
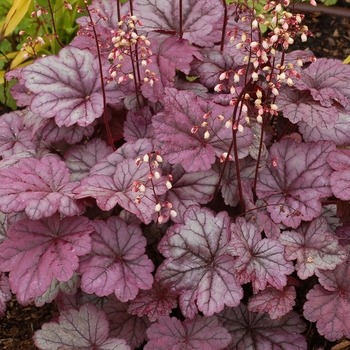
x=258, y=332
x=37, y=251
x=275, y=302
x=313, y=246
x=85, y=329
x=197, y=265
x=260, y=261
x=294, y=181
x=203, y=333
x=74, y=96
x=155, y=302
x=117, y=263
x=201, y=19
x=40, y=187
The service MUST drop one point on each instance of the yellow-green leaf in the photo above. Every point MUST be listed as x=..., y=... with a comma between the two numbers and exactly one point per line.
x=347, y=60
x=14, y=16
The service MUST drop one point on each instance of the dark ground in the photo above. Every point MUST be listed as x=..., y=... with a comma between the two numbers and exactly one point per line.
x=331, y=39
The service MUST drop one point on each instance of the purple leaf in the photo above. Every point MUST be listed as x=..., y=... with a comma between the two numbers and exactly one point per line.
x=300, y=106
x=14, y=137
x=275, y=302
x=313, y=246
x=203, y=333
x=37, y=251
x=71, y=134
x=85, y=329
x=40, y=187
x=173, y=53
x=131, y=150
x=138, y=125
x=211, y=65
x=192, y=149
x=69, y=287
x=339, y=160
x=131, y=187
x=80, y=159
x=229, y=189
x=155, y=302
x=259, y=261
x=328, y=305
x=294, y=181
x=117, y=263
x=339, y=134
x=123, y=324
x=255, y=331
x=19, y=92
x=190, y=189
x=197, y=265
x=75, y=94
x=5, y=293
x=327, y=80
x=256, y=213
x=201, y=19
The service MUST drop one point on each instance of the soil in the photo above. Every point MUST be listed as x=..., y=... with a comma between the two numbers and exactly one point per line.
x=331, y=39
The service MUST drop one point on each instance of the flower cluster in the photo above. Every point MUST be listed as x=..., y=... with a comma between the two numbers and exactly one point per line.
x=267, y=70
x=127, y=43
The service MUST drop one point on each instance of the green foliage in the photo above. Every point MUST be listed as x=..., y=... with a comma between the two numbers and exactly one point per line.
x=59, y=21
x=328, y=2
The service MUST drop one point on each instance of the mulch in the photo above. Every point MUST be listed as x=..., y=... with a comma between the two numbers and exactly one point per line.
x=332, y=40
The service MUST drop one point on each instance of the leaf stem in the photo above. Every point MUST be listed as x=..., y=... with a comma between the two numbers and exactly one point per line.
x=105, y=117
x=224, y=26
x=54, y=25
x=180, y=19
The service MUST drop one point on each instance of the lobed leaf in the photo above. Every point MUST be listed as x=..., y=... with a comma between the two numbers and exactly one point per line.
x=294, y=181
x=117, y=263
x=314, y=247
x=40, y=187
x=35, y=252
x=200, y=19
x=125, y=325
x=71, y=93
x=203, y=333
x=192, y=149
x=85, y=329
x=252, y=331
x=155, y=302
x=260, y=261
x=276, y=303
x=339, y=160
x=197, y=265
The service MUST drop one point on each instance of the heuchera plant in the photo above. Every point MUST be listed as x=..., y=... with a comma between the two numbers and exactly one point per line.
x=176, y=179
